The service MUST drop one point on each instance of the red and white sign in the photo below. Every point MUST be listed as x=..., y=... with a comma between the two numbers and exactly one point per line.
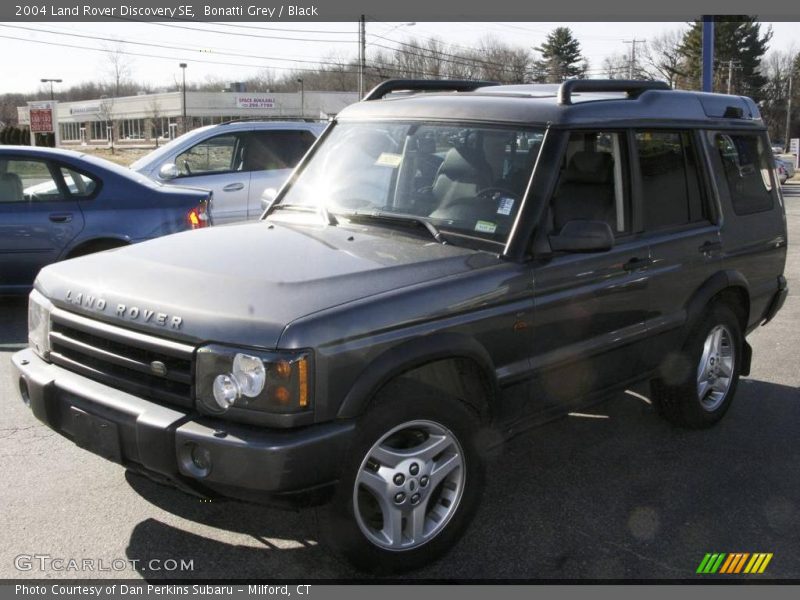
x=255, y=101
x=41, y=120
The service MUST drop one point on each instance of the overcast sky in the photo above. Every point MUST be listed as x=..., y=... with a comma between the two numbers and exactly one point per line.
x=232, y=52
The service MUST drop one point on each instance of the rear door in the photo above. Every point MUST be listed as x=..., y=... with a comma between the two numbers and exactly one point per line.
x=590, y=309
x=217, y=164
x=270, y=157
x=38, y=219
x=681, y=226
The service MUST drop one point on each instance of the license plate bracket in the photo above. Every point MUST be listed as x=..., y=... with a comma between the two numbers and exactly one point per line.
x=96, y=434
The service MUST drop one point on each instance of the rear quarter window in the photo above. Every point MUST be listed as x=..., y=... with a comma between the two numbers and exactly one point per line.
x=746, y=171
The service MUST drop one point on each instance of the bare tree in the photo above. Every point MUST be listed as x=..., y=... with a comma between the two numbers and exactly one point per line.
x=106, y=114
x=663, y=58
x=616, y=66
x=119, y=67
x=155, y=118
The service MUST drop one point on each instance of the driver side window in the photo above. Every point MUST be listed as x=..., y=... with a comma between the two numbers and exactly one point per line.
x=591, y=185
x=219, y=154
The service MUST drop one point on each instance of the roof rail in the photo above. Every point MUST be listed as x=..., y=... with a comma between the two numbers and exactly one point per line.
x=633, y=87
x=425, y=85
x=276, y=119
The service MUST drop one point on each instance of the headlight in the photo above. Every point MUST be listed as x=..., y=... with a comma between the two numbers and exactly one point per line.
x=268, y=382
x=39, y=309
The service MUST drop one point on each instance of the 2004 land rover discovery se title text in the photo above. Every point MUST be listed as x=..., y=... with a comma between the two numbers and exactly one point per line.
x=452, y=262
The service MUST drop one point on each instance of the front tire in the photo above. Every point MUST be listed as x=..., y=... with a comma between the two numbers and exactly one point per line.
x=699, y=383
x=411, y=483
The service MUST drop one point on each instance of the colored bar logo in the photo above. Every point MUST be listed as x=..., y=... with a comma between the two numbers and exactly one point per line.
x=734, y=563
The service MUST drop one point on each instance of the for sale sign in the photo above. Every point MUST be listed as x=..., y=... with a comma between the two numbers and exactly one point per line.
x=41, y=120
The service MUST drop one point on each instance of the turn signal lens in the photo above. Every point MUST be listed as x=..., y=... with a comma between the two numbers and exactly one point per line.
x=302, y=368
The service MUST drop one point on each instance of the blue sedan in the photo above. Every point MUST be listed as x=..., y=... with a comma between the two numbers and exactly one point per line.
x=59, y=204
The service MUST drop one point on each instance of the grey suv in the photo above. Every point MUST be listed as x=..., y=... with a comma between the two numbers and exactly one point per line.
x=452, y=263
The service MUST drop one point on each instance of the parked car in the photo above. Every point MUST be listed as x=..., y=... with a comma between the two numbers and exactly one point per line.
x=446, y=268
x=787, y=162
x=236, y=160
x=780, y=169
x=58, y=204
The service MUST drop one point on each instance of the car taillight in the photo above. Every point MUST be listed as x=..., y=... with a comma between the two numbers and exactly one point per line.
x=198, y=216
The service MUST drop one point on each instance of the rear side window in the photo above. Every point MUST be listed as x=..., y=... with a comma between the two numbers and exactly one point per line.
x=746, y=170
x=672, y=192
x=218, y=154
x=79, y=185
x=268, y=150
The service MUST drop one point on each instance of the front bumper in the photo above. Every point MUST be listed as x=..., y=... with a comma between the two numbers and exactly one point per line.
x=238, y=461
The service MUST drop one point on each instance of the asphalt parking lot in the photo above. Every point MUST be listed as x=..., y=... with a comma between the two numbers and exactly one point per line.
x=621, y=496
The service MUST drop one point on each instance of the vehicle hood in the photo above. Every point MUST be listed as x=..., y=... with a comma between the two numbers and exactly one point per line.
x=243, y=283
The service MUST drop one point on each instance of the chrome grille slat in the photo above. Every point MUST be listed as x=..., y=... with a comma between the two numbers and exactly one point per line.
x=122, y=358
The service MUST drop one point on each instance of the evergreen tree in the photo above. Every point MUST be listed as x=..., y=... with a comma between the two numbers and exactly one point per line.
x=739, y=47
x=561, y=57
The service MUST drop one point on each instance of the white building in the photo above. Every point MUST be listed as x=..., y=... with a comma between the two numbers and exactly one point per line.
x=147, y=116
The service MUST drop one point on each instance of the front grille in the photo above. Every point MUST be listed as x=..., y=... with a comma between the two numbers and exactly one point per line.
x=122, y=358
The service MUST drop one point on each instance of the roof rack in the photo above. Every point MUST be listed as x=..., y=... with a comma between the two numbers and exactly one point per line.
x=276, y=119
x=632, y=87
x=425, y=85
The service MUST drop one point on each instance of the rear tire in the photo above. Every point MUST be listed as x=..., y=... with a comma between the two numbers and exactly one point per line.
x=412, y=481
x=698, y=384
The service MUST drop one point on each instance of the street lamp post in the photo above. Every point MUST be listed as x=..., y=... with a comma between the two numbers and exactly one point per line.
x=302, y=97
x=51, y=82
x=362, y=50
x=183, y=68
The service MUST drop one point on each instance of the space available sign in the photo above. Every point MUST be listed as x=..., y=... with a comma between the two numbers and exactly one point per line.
x=255, y=101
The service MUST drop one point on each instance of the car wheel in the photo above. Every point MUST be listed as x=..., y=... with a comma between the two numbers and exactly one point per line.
x=700, y=382
x=411, y=482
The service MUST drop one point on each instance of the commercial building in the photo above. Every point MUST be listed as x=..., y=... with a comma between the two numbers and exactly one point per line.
x=145, y=117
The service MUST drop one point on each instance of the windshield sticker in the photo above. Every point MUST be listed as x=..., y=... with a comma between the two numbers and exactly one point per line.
x=386, y=159
x=485, y=227
x=505, y=206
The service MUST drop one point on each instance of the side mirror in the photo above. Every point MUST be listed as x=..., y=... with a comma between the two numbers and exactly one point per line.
x=267, y=198
x=168, y=171
x=583, y=236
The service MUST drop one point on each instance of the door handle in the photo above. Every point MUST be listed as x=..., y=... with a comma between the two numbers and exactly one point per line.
x=635, y=264
x=710, y=246
x=233, y=187
x=61, y=217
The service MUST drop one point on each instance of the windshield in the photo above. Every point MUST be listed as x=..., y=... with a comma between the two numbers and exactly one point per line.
x=467, y=181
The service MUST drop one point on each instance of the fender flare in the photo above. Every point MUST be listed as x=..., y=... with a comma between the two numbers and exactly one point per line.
x=720, y=281
x=410, y=355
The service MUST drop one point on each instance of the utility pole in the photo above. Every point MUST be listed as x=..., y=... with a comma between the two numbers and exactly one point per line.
x=362, y=54
x=789, y=109
x=632, y=63
x=732, y=64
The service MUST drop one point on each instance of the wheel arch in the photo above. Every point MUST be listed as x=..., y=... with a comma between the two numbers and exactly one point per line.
x=102, y=243
x=455, y=363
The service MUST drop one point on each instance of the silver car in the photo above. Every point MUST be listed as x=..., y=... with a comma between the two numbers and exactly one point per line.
x=237, y=161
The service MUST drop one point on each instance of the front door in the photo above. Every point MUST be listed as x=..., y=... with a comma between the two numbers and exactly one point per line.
x=590, y=309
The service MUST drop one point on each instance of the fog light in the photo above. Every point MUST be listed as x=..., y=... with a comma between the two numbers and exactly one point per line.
x=201, y=458
x=226, y=391
x=23, y=390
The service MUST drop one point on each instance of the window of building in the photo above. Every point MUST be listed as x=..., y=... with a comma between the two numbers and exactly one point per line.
x=745, y=165
x=672, y=192
x=70, y=132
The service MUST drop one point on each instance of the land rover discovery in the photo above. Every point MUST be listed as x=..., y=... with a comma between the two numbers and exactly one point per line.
x=451, y=263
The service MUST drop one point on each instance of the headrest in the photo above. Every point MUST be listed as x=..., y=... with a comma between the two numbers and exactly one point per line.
x=590, y=167
x=458, y=167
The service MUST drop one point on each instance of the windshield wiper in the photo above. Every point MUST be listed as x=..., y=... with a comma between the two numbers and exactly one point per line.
x=327, y=216
x=397, y=218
